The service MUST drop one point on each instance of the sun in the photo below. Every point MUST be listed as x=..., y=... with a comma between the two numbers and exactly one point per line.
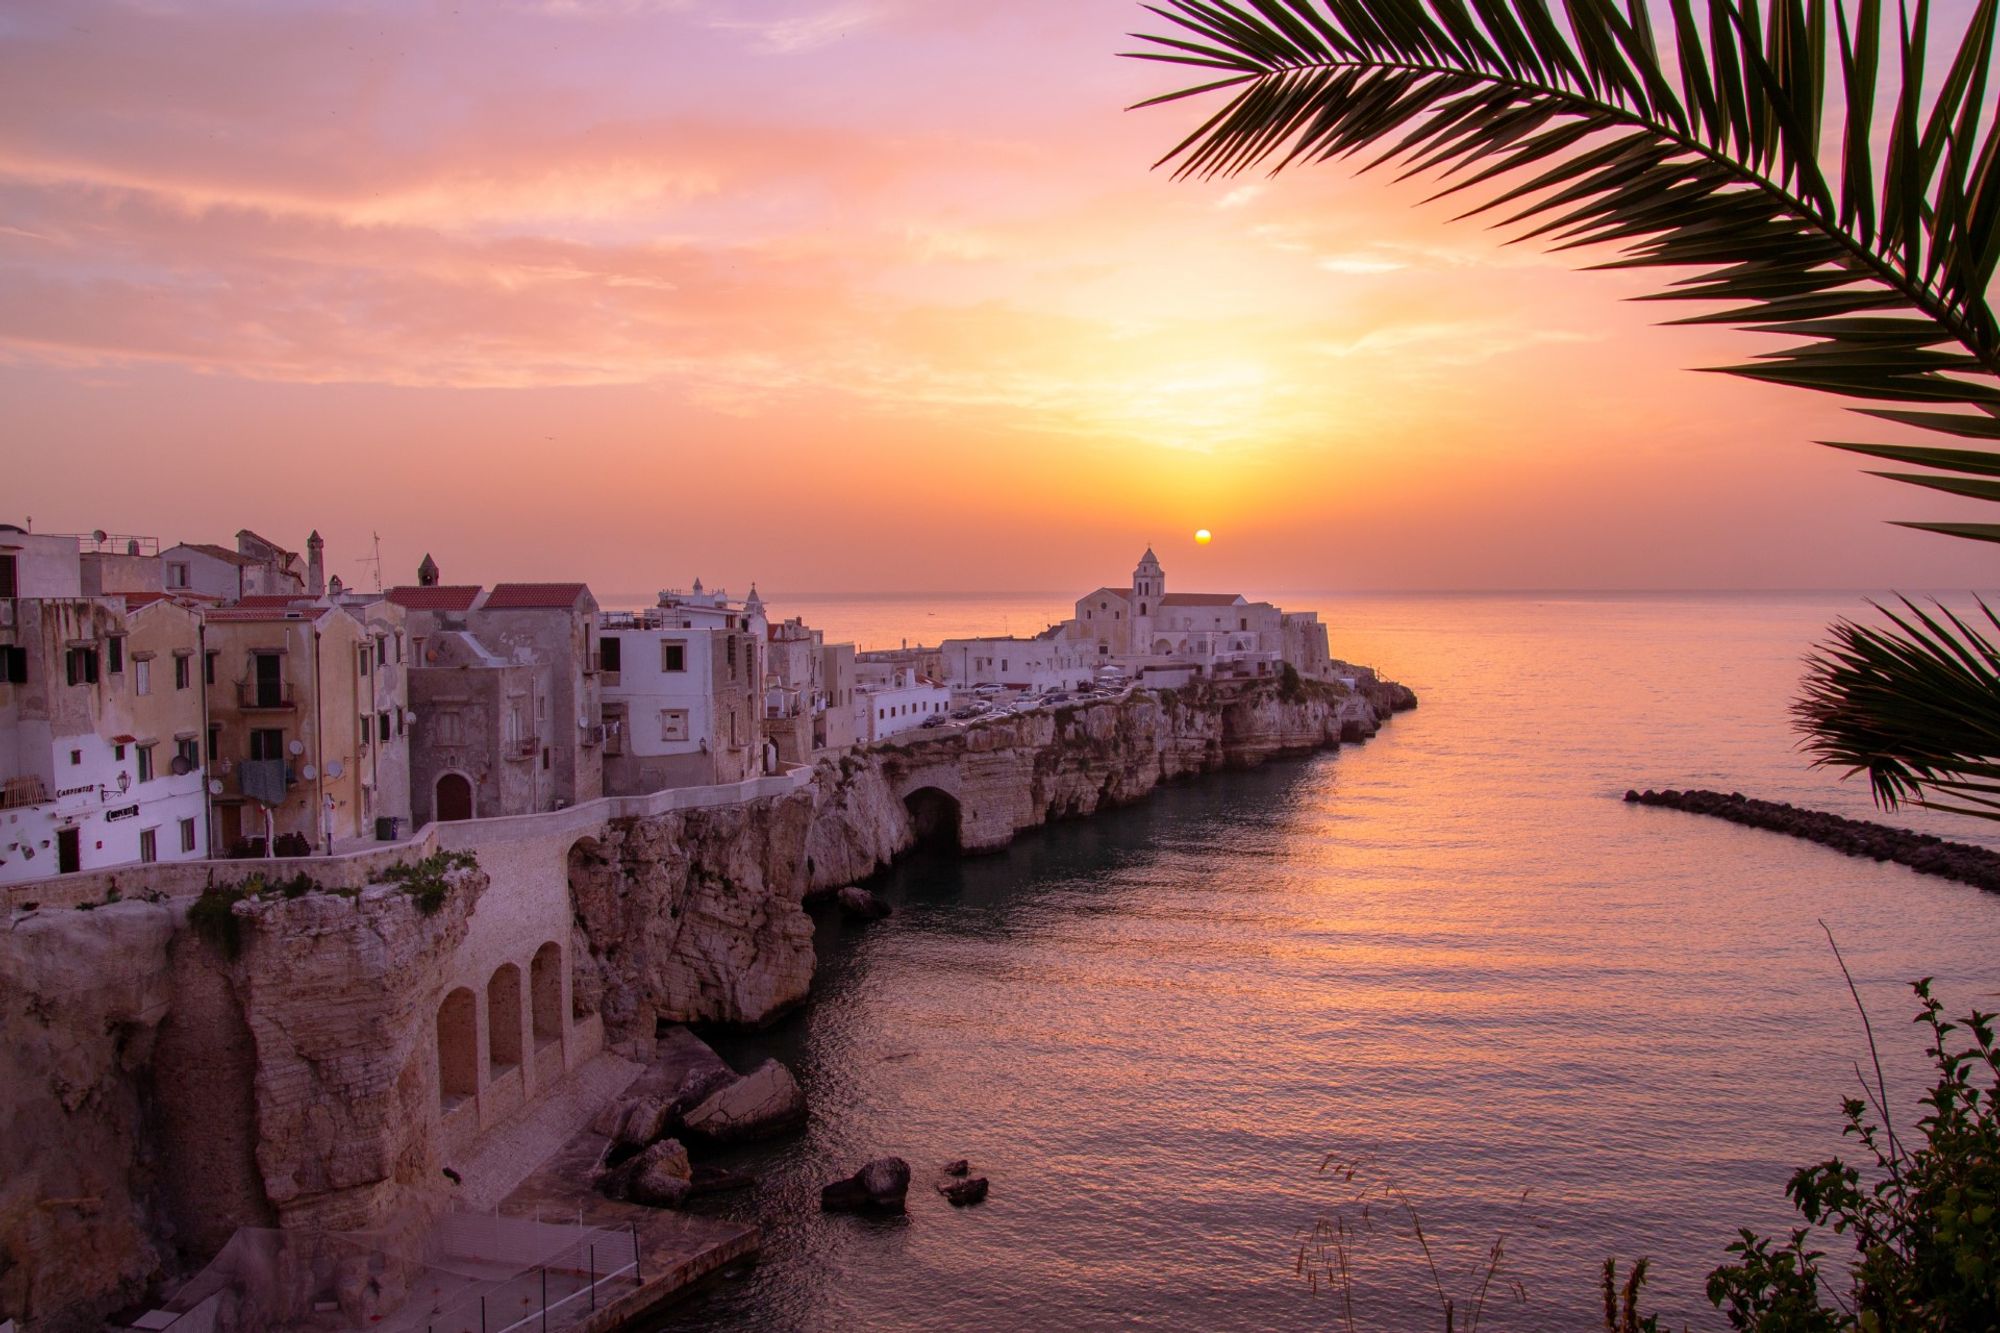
x=1202, y=536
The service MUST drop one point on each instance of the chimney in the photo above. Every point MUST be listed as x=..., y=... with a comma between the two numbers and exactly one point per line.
x=315, y=565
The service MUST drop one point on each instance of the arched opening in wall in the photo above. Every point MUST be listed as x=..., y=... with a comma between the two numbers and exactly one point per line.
x=458, y=1048
x=594, y=906
x=545, y=994
x=503, y=1020
x=934, y=818
x=1161, y=648
x=454, y=797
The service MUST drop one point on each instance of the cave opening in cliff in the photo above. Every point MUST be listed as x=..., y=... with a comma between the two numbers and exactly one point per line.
x=934, y=818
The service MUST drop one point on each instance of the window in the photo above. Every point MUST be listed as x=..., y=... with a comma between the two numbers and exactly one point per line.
x=14, y=665
x=607, y=654
x=9, y=581
x=673, y=724
x=208, y=666
x=267, y=743
x=145, y=763
x=673, y=655
x=187, y=835
x=1243, y=622
x=177, y=574
x=545, y=758
x=381, y=648
x=214, y=743
x=142, y=676
x=82, y=666
x=399, y=720
x=186, y=748
x=1142, y=608
x=183, y=670
x=364, y=661
x=362, y=734
x=382, y=726
x=75, y=758
x=115, y=653
x=450, y=727
x=149, y=845
x=731, y=649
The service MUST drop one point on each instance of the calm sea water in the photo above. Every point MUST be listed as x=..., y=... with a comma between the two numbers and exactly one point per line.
x=1452, y=956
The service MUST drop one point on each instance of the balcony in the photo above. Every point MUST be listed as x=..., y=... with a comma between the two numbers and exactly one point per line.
x=19, y=793
x=265, y=694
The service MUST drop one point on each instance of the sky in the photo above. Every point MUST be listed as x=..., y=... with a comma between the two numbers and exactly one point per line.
x=832, y=295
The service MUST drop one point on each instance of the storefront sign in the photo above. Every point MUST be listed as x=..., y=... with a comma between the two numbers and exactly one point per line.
x=125, y=813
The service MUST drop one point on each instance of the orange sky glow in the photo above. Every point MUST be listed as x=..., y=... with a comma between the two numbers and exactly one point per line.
x=833, y=295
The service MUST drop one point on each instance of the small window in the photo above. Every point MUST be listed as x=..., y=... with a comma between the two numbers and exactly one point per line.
x=673, y=724
x=187, y=835
x=14, y=665
x=183, y=670
x=142, y=676
x=9, y=581
x=607, y=653
x=545, y=758
x=208, y=666
x=673, y=655
x=81, y=664
x=267, y=743
x=214, y=743
x=75, y=758
x=115, y=653
x=177, y=575
x=149, y=845
x=399, y=720
x=188, y=749
x=382, y=726
x=145, y=763
x=364, y=661
x=118, y=753
x=381, y=648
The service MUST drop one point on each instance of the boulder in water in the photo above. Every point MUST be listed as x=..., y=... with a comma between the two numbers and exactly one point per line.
x=861, y=905
x=881, y=1186
x=762, y=1104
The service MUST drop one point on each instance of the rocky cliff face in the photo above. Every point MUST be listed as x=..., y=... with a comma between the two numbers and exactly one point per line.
x=160, y=1093
x=698, y=915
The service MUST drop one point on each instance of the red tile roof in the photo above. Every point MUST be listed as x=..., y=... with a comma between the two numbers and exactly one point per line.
x=521, y=596
x=268, y=599
x=1201, y=599
x=438, y=597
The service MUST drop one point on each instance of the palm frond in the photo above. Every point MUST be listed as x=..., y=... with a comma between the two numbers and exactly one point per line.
x=1917, y=709
x=1697, y=147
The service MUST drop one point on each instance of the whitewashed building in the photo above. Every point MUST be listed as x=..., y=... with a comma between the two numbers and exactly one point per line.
x=895, y=698
x=1144, y=628
x=1050, y=661
x=683, y=692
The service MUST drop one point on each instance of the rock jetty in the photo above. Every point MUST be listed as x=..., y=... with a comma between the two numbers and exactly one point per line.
x=1922, y=852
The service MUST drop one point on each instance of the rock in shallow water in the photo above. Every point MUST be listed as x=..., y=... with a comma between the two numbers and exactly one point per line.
x=861, y=905
x=881, y=1186
x=762, y=1104
x=962, y=1192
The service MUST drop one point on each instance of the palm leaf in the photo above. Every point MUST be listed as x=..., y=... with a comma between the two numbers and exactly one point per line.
x=1577, y=133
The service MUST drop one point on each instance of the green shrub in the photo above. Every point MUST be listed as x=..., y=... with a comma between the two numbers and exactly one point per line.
x=1922, y=1220
x=425, y=880
x=212, y=916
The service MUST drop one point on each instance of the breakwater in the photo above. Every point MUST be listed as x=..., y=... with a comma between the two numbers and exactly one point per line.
x=1922, y=852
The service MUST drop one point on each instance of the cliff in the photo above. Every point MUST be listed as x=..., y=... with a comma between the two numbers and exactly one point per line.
x=698, y=915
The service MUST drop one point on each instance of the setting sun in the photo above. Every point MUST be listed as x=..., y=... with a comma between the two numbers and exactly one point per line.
x=1203, y=537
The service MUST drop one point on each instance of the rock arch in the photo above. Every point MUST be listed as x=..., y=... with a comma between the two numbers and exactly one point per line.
x=935, y=817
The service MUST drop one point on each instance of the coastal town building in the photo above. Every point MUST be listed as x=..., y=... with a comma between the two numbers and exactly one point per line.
x=838, y=727
x=683, y=692
x=504, y=686
x=890, y=699
x=1050, y=661
x=100, y=720
x=1144, y=628
x=310, y=740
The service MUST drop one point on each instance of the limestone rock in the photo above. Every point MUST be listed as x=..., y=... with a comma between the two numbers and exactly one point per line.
x=971, y=1190
x=644, y=1121
x=661, y=1176
x=762, y=1104
x=958, y=1168
x=860, y=904
x=883, y=1185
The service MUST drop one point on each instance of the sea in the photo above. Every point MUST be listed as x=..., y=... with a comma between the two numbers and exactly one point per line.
x=1437, y=1019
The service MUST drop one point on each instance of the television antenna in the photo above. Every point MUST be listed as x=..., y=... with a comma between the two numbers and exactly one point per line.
x=374, y=561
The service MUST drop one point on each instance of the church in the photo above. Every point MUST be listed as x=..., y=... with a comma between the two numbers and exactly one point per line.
x=1213, y=633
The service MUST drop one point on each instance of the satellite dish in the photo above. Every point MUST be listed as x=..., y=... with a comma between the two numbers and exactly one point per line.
x=334, y=768
x=410, y=716
x=180, y=767
x=308, y=772
x=214, y=787
x=297, y=747
x=99, y=535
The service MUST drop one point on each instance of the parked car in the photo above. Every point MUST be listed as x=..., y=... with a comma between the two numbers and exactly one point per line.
x=988, y=688
x=966, y=714
x=934, y=720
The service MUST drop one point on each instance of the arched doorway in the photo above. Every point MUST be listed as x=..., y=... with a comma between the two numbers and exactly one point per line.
x=458, y=1048
x=545, y=993
x=934, y=818
x=454, y=797
x=503, y=1020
